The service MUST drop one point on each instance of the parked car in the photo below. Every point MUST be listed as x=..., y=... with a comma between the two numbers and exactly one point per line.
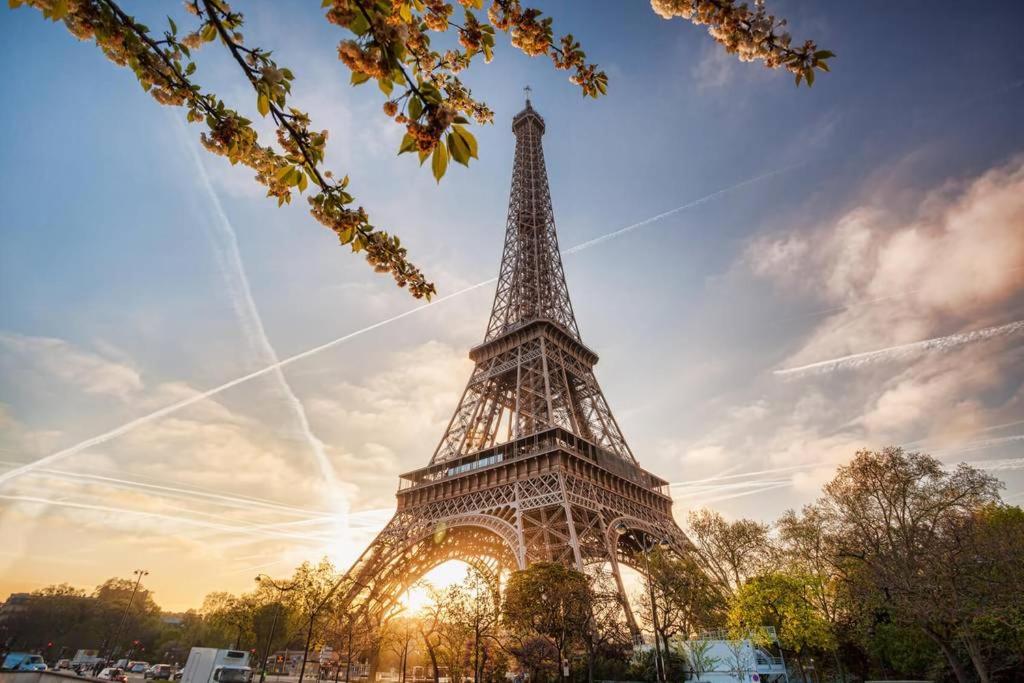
x=112, y=673
x=158, y=672
x=137, y=667
x=63, y=664
x=23, y=661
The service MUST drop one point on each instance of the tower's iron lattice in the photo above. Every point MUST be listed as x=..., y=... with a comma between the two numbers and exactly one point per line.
x=533, y=466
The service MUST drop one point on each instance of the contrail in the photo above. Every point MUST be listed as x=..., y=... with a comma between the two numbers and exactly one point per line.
x=243, y=502
x=999, y=464
x=708, y=489
x=741, y=475
x=689, y=205
x=225, y=242
x=160, y=516
x=947, y=343
x=979, y=444
x=744, y=493
x=201, y=396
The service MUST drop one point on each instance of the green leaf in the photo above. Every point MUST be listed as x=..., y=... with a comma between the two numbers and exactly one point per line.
x=263, y=104
x=208, y=33
x=174, y=27
x=799, y=76
x=282, y=173
x=359, y=25
x=415, y=107
x=458, y=149
x=809, y=75
x=423, y=156
x=303, y=182
x=467, y=138
x=824, y=54
x=408, y=144
x=439, y=162
x=359, y=77
x=385, y=85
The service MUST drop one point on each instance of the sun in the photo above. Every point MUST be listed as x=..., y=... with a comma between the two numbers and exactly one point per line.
x=440, y=577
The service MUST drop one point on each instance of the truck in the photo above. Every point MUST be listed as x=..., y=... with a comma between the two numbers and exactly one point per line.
x=85, y=659
x=210, y=665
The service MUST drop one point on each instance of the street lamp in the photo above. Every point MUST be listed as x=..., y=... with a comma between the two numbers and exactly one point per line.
x=124, y=617
x=647, y=543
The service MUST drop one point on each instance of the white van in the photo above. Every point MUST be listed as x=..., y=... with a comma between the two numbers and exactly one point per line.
x=210, y=665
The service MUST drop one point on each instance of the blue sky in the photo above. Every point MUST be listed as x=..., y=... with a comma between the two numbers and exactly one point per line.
x=894, y=213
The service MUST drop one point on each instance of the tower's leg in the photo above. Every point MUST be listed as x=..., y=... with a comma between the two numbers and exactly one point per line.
x=574, y=541
x=630, y=618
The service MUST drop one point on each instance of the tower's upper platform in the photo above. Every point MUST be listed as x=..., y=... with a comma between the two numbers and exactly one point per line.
x=528, y=116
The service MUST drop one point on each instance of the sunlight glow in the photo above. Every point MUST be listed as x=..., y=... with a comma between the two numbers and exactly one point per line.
x=438, y=578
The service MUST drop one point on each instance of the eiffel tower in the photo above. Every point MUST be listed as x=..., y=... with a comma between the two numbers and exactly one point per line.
x=533, y=466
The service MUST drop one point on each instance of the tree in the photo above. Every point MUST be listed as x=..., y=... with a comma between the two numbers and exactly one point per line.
x=400, y=637
x=730, y=552
x=234, y=615
x=898, y=522
x=699, y=657
x=550, y=601
x=686, y=598
x=389, y=42
x=806, y=547
x=313, y=587
x=782, y=600
x=475, y=605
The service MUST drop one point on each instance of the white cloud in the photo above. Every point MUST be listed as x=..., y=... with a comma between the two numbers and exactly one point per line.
x=28, y=359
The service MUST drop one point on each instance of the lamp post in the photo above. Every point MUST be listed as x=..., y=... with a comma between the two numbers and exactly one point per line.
x=263, y=578
x=139, y=573
x=647, y=543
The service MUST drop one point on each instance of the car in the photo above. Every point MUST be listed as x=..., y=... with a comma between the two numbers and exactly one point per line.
x=23, y=661
x=137, y=667
x=63, y=664
x=112, y=673
x=158, y=672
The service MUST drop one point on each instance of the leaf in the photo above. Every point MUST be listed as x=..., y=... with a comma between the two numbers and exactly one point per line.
x=408, y=144
x=174, y=27
x=467, y=138
x=282, y=173
x=359, y=25
x=824, y=54
x=303, y=182
x=405, y=12
x=208, y=33
x=439, y=162
x=458, y=149
x=385, y=85
x=415, y=107
x=799, y=75
x=809, y=75
x=359, y=77
x=263, y=104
